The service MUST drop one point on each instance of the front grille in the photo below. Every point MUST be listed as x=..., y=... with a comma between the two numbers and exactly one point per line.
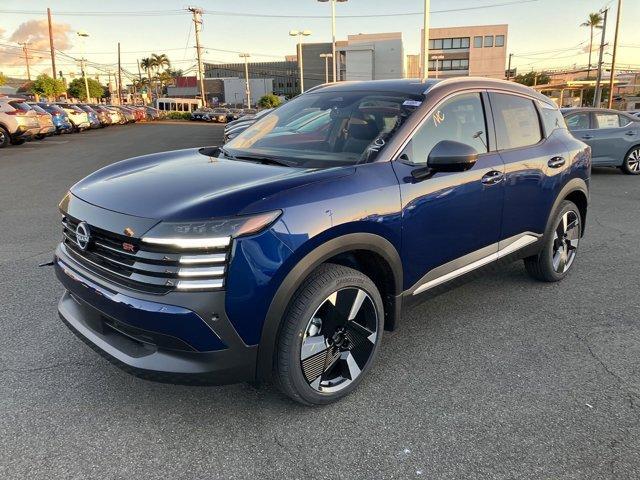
x=149, y=268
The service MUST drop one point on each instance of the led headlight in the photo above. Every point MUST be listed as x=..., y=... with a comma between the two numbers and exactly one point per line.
x=216, y=233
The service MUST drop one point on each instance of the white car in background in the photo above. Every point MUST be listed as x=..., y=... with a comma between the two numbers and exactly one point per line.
x=18, y=121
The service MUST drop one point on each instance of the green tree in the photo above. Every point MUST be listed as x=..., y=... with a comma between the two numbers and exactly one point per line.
x=45, y=86
x=3, y=79
x=77, y=90
x=533, y=78
x=269, y=101
x=594, y=20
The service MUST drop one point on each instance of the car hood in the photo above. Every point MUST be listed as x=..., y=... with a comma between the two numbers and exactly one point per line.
x=188, y=185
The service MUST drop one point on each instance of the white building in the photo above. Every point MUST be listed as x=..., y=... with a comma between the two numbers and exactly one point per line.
x=234, y=89
x=375, y=56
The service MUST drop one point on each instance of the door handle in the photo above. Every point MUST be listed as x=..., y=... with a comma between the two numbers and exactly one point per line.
x=630, y=133
x=556, y=162
x=587, y=137
x=492, y=177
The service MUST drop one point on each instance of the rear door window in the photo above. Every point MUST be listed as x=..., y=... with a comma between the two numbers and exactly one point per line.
x=578, y=121
x=607, y=120
x=516, y=121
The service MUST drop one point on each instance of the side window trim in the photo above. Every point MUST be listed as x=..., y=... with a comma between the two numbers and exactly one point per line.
x=481, y=92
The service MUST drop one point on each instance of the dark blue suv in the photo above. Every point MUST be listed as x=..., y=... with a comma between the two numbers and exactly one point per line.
x=285, y=254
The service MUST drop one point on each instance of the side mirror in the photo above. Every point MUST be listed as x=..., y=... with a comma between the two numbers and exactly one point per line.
x=450, y=156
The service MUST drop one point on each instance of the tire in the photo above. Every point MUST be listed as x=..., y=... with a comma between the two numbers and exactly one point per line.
x=631, y=164
x=561, y=241
x=18, y=141
x=321, y=355
x=4, y=137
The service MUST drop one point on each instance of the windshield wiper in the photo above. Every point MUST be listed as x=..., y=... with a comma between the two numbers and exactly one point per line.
x=256, y=158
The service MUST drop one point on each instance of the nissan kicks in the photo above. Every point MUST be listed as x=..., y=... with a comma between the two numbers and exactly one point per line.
x=285, y=254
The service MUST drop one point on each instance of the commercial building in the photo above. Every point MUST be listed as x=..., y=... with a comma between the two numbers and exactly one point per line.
x=229, y=90
x=284, y=74
x=479, y=50
x=375, y=56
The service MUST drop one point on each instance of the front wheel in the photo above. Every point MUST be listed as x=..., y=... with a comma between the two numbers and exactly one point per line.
x=560, y=246
x=631, y=165
x=330, y=336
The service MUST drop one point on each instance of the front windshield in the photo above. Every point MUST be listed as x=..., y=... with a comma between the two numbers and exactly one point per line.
x=326, y=129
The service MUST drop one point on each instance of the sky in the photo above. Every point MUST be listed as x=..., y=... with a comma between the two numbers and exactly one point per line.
x=542, y=33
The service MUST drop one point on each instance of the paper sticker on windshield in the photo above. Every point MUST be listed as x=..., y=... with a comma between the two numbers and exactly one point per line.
x=412, y=103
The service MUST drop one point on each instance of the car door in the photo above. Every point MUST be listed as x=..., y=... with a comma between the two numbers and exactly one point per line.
x=582, y=126
x=614, y=135
x=449, y=219
x=533, y=165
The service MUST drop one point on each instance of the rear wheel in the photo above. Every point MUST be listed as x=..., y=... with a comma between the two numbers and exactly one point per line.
x=18, y=141
x=561, y=246
x=330, y=335
x=631, y=165
x=4, y=137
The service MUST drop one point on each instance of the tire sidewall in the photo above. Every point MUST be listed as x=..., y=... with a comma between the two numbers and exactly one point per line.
x=547, y=252
x=625, y=164
x=301, y=319
x=4, y=140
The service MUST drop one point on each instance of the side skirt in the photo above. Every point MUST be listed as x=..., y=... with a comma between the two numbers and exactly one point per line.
x=471, y=266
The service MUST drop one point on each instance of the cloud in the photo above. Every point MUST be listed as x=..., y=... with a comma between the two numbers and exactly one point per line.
x=36, y=33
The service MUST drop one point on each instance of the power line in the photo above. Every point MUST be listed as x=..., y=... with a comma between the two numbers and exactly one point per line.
x=265, y=15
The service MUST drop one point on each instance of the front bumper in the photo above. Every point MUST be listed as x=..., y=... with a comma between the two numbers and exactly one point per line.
x=24, y=132
x=177, y=338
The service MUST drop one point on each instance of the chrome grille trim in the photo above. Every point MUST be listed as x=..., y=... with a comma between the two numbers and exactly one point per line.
x=154, y=269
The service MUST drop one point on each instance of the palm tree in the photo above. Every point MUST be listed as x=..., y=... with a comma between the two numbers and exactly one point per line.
x=159, y=62
x=594, y=20
x=147, y=65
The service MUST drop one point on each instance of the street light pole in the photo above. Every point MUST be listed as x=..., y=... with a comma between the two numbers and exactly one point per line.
x=425, y=39
x=247, y=88
x=300, y=34
x=436, y=58
x=326, y=57
x=334, y=63
x=84, y=35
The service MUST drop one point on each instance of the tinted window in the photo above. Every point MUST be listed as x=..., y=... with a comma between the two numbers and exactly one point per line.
x=516, y=121
x=607, y=120
x=465, y=42
x=551, y=117
x=20, y=106
x=477, y=42
x=460, y=119
x=578, y=121
x=488, y=41
x=499, y=40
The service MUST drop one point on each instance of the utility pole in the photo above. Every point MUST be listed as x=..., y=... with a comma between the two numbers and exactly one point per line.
x=509, y=67
x=425, y=39
x=613, y=58
x=119, y=77
x=25, y=49
x=53, y=55
x=598, y=93
x=436, y=58
x=247, y=88
x=197, y=21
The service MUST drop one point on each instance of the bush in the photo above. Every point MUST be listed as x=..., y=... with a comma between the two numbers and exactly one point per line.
x=177, y=115
x=269, y=101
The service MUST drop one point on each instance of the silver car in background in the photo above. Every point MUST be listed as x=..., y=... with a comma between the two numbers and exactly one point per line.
x=614, y=136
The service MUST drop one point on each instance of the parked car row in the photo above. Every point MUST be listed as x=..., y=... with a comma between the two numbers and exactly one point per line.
x=220, y=114
x=236, y=127
x=22, y=120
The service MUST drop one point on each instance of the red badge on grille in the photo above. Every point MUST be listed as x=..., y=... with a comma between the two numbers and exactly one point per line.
x=128, y=247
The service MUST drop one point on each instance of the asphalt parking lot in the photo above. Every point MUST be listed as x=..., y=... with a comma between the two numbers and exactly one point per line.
x=503, y=377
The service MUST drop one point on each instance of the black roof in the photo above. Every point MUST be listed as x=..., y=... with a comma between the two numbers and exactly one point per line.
x=410, y=86
x=413, y=86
